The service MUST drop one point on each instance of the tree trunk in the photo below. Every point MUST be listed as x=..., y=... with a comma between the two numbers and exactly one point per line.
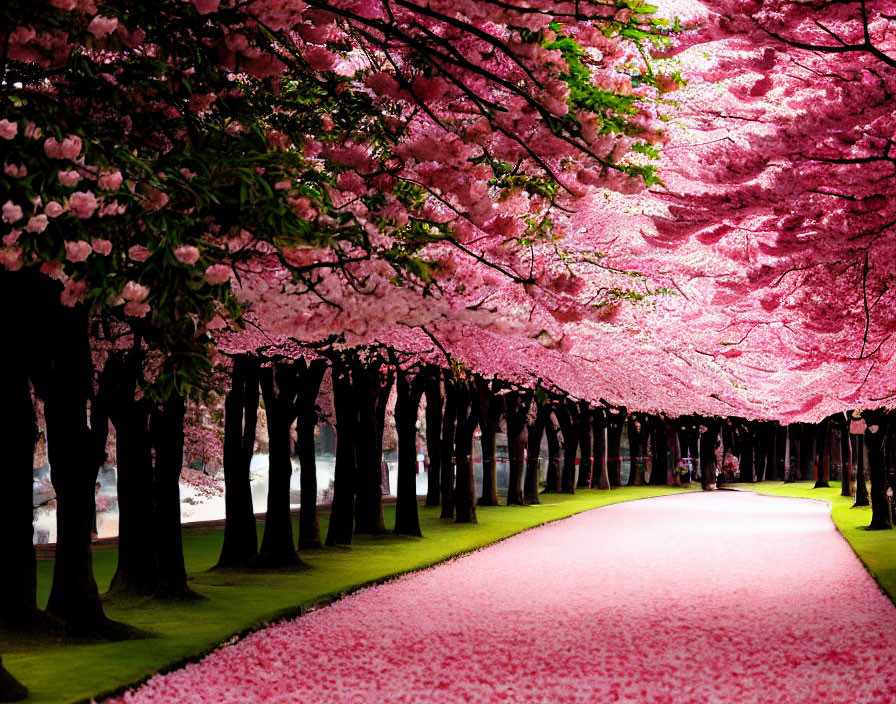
x=465, y=489
x=240, y=418
x=747, y=457
x=449, y=433
x=846, y=462
x=280, y=389
x=345, y=474
x=862, y=498
x=433, y=391
x=791, y=472
x=18, y=585
x=552, y=480
x=635, y=433
x=600, y=478
x=659, y=472
x=876, y=425
x=536, y=433
x=586, y=461
x=615, y=425
x=567, y=415
x=822, y=454
x=407, y=520
x=370, y=392
x=11, y=690
x=490, y=407
x=311, y=375
x=708, y=454
x=517, y=405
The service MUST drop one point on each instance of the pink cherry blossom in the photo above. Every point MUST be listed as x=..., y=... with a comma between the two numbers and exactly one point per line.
x=187, y=254
x=77, y=251
x=36, y=223
x=11, y=237
x=69, y=178
x=139, y=253
x=15, y=170
x=8, y=129
x=101, y=26
x=53, y=269
x=658, y=584
x=32, y=131
x=103, y=247
x=54, y=209
x=135, y=309
x=11, y=258
x=83, y=204
x=218, y=274
x=134, y=292
x=11, y=212
x=110, y=180
x=73, y=292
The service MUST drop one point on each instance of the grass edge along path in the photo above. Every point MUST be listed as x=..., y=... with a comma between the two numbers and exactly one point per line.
x=58, y=672
x=876, y=549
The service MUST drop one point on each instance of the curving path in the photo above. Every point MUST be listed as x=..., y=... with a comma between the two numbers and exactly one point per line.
x=709, y=598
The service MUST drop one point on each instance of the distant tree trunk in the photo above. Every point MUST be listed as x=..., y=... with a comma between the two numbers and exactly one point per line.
x=433, y=391
x=552, y=479
x=615, y=425
x=345, y=474
x=465, y=489
x=822, y=454
x=167, y=435
x=490, y=407
x=517, y=408
x=586, y=450
x=280, y=390
x=747, y=464
x=600, y=478
x=635, y=435
x=407, y=520
x=807, y=451
x=311, y=375
x=18, y=434
x=761, y=450
x=708, y=453
x=846, y=462
x=793, y=443
x=240, y=417
x=659, y=472
x=771, y=463
x=11, y=690
x=536, y=433
x=862, y=498
x=371, y=392
x=449, y=433
x=567, y=414
x=876, y=426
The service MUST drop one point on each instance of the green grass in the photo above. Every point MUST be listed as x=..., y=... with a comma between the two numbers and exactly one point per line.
x=875, y=548
x=240, y=602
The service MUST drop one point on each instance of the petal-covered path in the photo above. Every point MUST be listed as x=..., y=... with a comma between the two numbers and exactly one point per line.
x=710, y=598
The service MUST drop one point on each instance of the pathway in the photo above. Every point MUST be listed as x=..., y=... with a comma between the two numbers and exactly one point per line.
x=697, y=598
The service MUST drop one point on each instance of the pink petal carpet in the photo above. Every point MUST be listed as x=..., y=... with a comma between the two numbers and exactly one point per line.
x=699, y=598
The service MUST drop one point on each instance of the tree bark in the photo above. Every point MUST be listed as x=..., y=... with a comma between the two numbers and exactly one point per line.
x=822, y=454
x=659, y=472
x=567, y=413
x=11, y=690
x=490, y=407
x=345, y=474
x=846, y=462
x=407, y=519
x=370, y=392
x=876, y=426
x=748, y=453
x=600, y=478
x=536, y=433
x=586, y=461
x=465, y=489
x=635, y=436
x=240, y=547
x=615, y=426
x=517, y=408
x=449, y=433
x=311, y=375
x=708, y=453
x=280, y=390
x=862, y=498
x=433, y=391
x=552, y=480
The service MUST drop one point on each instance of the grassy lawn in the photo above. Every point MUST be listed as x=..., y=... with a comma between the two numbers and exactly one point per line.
x=875, y=548
x=238, y=602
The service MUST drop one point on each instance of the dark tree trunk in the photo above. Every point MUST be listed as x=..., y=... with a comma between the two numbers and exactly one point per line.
x=600, y=478
x=490, y=408
x=536, y=433
x=876, y=426
x=311, y=375
x=449, y=433
x=659, y=472
x=760, y=443
x=11, y=690
x=822, y=454
x=771, y=463
x=280, y=390
x=792, y=471
x=371, y=392
x=846, y=461
x=807, y=451
x=465, y=489
x=567, y=412
x=167, y=434
x=586, y=461
x=517, y=405
x=345, y=474
x=635, y=435
x=407, y=519
x=615, y=426
x=18, y=585
x=76, y=449
x=708, y=453
x=552, y=479
x=748, y=453
x=137, y=570
x=240, y=418
x=862, y=498
x=433, y=391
